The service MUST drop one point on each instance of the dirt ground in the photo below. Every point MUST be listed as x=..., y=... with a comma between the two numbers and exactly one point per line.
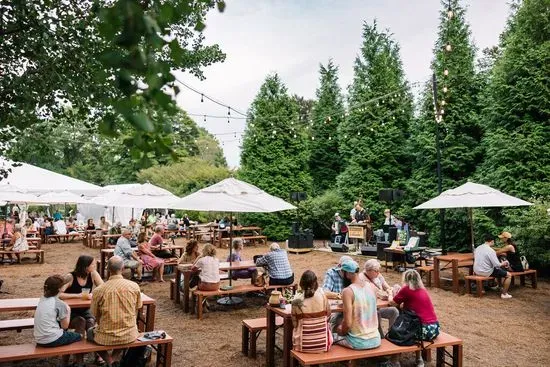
x=496, y=332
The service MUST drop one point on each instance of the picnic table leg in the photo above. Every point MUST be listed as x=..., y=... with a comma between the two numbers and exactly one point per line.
x=287, y=341
x=386, y=260
x=457, y=355
x=177, y=286
x=150, y=317
x=245, y=340
x=440, y=357
x=164, y=355
x=455, y=275
x=436, y=273
x=270, y=339
x=186, y=280
x=102, y=269
x=534, y=280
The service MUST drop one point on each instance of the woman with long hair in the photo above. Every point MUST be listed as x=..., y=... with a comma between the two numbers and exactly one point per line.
x=150, y=261
x=237, y=256
x=209, y=267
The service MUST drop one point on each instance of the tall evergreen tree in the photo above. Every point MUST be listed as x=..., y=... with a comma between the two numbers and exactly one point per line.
x=459, y=128
x=274, y=153
x=517, y=109
x=328, y=113
x=371, y=139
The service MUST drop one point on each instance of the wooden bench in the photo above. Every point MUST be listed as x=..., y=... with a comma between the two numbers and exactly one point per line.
x=340, y=354
x=251, y=329
x=479, y=279
x=245, y=288
x=12, y=353
x=245, y=238
x=17, y=324
x=173, y=284
x=39, y=254
x=65, y=237
x=531, y=273
x=426, y=269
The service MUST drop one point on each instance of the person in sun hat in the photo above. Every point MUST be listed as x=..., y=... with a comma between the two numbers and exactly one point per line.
x=510, y=252
x=359, y=327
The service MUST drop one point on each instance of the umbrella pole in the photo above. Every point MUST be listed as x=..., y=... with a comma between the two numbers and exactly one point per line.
x=229, y=301
x=471, y=217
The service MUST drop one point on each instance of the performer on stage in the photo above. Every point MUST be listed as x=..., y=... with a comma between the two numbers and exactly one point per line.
x=339, y=228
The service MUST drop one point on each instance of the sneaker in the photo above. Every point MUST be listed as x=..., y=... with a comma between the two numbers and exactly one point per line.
x=505, y=296
x=495, y=288
x=420, y=362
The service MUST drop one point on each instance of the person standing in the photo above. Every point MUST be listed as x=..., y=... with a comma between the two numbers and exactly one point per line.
x=486, y=264
x=115, y=305
x=359, y=327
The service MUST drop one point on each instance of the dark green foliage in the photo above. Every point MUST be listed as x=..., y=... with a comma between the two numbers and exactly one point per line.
x=111, y=60
x=317, y=213
x=460, y=129
x=325, y=163
x=372, y=138
x=517, y=109
x=274, y=155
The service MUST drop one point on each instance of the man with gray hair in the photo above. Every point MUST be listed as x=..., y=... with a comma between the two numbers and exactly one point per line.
x=277, y=265
x=115, y=305
x=130, y=259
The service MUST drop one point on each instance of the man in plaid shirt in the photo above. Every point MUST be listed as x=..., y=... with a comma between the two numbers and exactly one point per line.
x=333, y=284
x=278, y=266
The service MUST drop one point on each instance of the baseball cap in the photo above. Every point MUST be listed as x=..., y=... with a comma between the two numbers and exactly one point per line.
x=336, y=214
x=350, y=266
x=505, y=235
x=343, y=259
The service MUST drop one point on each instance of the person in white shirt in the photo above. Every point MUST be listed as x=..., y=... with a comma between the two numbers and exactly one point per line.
x=209, y=267
x=486, y=264
x=60, y=227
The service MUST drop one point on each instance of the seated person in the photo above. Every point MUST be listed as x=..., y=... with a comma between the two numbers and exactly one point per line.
x=90, y=226
x=413, y=296
x=52, y=317
x=339, y=229
x=486, y=264
x=371, y=275
x=209, y=267
x=389, y=218
x=156, y=243
x=334, y=281
x=29, y=227
x=49, y=228
x=310, y=310
x=150, y=261
x=186, y=221
x=71, y=225
x=190, y=255
x=60, y=227
x=104, y=225
x=510, y=252
x=173, y=222
x=116, y=229
x=18, y=242
x=359, y=327
x=130, y=259
x=79, y=284
x=135, y=228
x=277, y=265
x=249, y=273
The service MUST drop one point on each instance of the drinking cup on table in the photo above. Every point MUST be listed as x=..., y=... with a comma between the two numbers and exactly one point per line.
x=85, y=293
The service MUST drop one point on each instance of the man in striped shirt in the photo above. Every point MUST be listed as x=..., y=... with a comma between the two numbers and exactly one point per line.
x=115, y=305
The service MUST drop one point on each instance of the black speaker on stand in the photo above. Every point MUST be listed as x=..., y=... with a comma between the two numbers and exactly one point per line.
x=299, y=239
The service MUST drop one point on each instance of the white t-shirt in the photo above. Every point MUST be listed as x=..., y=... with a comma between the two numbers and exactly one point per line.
x=49, y=312
x=485, y=260
x=60, y=227
x=210, y=269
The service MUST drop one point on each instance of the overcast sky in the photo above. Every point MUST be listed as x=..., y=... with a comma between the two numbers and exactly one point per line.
x=291, y=37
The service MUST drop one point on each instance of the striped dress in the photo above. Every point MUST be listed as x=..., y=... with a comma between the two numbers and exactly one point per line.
x=310, y=320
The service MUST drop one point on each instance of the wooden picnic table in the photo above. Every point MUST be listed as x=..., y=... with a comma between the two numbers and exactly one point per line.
x=456, y=260
x=192, y=229
x=29, y=304
x=285, y=313
x=224, y=266
x=217, y=233
x=106, y=253
x=106, y=237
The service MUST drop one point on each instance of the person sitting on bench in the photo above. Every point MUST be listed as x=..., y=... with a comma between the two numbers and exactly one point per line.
x=486, y=264
x=209, y=267
x=249, y=273
x=510, y=252
x=130, y=258
x=18, y=242
x=334, y=281
x=115, y=305
x=359, y=327
x=52, y=317
x=277, y=265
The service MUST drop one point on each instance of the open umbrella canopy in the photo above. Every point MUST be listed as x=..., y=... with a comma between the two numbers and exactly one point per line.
x=232, y=195
x=16, y=195
x=135, y=196
x=472, y=195
x=62, y=197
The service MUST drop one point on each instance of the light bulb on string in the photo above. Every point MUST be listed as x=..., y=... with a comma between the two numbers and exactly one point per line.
x=235, y=135
x=329, y=138
x=204, y=118
x=448, y=47
x=442, y=112
x=228, y=121
x=446, y=72
x=445, y=89
x=345, y=136
x=358, y=133
x=450, y=12
x=202, y=97
x=443, y=102
x=228, y=111
x=294, y=136
x=313, y=138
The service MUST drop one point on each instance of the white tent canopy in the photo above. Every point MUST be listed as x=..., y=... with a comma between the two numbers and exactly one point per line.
x=472, y=195
x=37, y=180
x=16, y=195
x=232, y=195
x=62, y=197
x=134, y=196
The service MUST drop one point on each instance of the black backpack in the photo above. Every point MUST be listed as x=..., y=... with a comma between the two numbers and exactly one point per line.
x=136, y=357
x=406, y=330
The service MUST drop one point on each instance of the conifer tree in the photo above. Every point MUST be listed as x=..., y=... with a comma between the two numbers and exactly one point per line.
x=517, y=109
x=459, y=127
x=275, y=153
x=372, y=138
x=325, y=163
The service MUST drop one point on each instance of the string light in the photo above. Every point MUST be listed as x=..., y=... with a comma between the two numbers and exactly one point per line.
x=228, y=111
x=446, y=72
x=202, y=97
x=445, y=89
x=448, y=48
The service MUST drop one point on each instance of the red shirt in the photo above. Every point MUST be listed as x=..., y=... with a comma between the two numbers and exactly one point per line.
x=156, y=240
x=418, y=301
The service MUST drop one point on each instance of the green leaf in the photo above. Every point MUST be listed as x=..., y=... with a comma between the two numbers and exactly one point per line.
x=221, y=6
x=142, y=122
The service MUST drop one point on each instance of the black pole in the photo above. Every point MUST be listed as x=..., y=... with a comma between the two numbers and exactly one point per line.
x=439, y=178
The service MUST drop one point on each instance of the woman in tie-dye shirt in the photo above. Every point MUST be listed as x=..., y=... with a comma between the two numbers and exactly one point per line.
x=359, y=329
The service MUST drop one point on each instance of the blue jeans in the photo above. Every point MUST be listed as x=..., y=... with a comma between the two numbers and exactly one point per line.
x=68, y=337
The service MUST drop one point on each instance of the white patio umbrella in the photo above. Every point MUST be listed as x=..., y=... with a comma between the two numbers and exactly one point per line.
x=62, y=197
x=472, y=195
x=11, y=194
x=232, y=195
